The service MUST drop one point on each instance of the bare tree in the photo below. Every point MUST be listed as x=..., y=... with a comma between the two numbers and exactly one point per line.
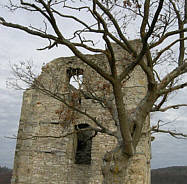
x=161, y=31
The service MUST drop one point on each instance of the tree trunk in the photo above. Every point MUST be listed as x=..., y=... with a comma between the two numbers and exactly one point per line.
x=121, y=169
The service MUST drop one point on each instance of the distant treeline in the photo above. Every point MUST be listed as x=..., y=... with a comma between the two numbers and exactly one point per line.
x=5, y=175
x=169, y=175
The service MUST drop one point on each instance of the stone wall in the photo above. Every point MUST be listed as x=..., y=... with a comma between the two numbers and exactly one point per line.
x=44, y=155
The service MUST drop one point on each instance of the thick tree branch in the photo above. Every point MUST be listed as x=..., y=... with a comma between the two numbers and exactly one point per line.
x=157, y=107
x=170, y=77
x=133, y=64
x=117, y=27
x=168, y=34
x=129, y=148
x=181, y=35
x=172, y=133
x=26, y=29
x=164, y=99
x=58, y=137
x=185, y=12
x=168, y=107
x=155, y=18
x=169, y=90
x=145, y=18
x=167, y=48
x=60, y=41
x=149, y=72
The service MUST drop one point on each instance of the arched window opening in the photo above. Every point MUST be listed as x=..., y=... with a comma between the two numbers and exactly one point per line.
x=84, y=144
x=75, y=76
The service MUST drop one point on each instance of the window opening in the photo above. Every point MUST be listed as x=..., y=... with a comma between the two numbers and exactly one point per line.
x=84, y=144
x=75, y=77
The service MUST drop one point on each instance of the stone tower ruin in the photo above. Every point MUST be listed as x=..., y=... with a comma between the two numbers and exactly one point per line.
x=48, y=152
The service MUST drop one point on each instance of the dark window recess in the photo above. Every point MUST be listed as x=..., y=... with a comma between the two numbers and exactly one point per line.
x=74, y=71
x=84, y=145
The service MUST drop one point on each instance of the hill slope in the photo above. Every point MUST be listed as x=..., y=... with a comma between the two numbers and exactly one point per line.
x=5, y=175
x=169, y=175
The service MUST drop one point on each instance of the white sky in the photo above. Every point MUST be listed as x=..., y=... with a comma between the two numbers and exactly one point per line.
x=16, y=46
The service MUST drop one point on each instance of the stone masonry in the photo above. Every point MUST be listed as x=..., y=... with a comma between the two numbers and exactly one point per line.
x=46, y=148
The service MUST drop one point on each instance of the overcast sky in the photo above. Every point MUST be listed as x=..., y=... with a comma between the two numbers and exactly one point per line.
x=16, y=46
